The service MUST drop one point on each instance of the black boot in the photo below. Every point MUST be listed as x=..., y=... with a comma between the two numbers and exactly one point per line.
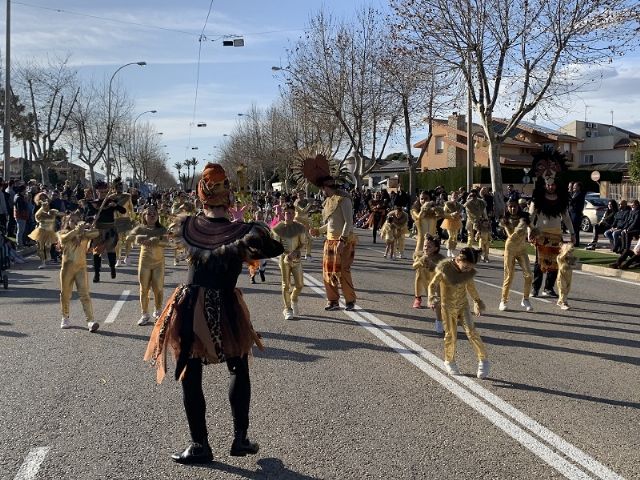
x=262, y=279
x=97, y=261
x=242, y=446
x=112, y=263
x=194, y=453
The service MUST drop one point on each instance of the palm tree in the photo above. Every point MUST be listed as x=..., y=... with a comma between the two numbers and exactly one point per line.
x=178, y=167
x=194, y=164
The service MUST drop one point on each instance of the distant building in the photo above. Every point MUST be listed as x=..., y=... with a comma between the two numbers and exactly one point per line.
x=16, y=165
x=603, y=146
x=385, y=175
x=66, y=170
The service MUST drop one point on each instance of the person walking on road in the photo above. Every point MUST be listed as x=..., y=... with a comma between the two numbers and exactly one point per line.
x=206, y=319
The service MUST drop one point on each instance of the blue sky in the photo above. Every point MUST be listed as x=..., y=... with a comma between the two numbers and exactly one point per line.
x=110, y=33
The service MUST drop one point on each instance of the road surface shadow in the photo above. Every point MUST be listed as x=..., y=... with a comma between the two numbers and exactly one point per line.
x=532, y=388
x=268, y=468
x=605, y=303
x=327, y=344
x=12, y=334
x=274, y=353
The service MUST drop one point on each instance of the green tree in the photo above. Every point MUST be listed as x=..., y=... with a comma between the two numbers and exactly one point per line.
x=634, y=166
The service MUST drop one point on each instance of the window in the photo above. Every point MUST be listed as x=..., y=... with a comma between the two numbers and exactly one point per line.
x=588, y=159
x=440, y=144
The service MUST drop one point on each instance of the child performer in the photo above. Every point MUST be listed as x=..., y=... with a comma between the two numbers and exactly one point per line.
x=388, y=234
x=454, y=277
x=45, y=233
x=151, y=236
x=258, y=266
x=566, y=262
x=452, y=222
x=293, y=237
x=303, y=208
x=237, y=212
x=74, y=238
x=400, y=221
x=425, y=267
x=483, y=237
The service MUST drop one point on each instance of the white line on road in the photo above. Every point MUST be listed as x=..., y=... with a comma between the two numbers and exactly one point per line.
x=31, y=465
x=113, y=314
x=417, y=355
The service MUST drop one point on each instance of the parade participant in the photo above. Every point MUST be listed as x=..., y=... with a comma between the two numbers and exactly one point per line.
x=452, y=222
x=548, y=213
x=151, y=236
x=303, y=208
x=206, y=319
x=476, y=211
x=278, y=211
x=425, y=266
x=400, y=221
x=516, y=226
x=124, y=222
x=483, y=236
x=566, y=262
x=293, y=237
x=389, y=233
x=74, y=237
x=182, y=206
x=237, y=212
x=378, y=211
x=425, y=214
x=102, y=211
x=258, y=266
x=340, y=245
x=45, y=233
x=454, y=278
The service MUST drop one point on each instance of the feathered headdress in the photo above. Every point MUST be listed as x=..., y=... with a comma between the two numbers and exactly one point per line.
x=320, y=171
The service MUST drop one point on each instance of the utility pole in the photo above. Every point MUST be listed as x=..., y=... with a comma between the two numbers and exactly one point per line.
x=6, y=141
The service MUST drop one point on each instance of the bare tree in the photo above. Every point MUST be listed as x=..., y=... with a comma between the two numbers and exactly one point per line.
x=334, y=70
x=515, y=54
x=50, y=93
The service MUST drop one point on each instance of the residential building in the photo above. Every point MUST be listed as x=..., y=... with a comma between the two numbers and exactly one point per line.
x=604, y=147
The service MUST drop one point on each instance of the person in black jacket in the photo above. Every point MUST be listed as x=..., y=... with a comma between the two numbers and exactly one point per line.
x=631, y=228
x=613, y=234
x=605, y=223
x=576, y=207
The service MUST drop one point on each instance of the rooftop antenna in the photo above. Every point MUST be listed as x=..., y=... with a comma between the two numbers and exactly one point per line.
x=611, y=111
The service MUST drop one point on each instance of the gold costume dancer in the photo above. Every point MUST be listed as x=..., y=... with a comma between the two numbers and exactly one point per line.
x=454, y=278
x=389, y=233
x=425, y=214
x=151, y=236
x=303, y=207
x=124, y=222
x=425, y=267
x=74, y=239
x=45, y=233
x=483, y=237
x=293, y=237
x=476, y=209
x=400, y=220
x=452, y=222
x=516, y=226
x=566, y=262
x=182, y=206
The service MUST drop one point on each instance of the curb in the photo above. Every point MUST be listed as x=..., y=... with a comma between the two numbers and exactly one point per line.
x=596, y=269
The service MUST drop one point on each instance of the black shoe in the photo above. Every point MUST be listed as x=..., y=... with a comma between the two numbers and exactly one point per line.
x=113, y=273
x=549, y=292
x=96, y=277
x=194, y=453
x=534, y=293
x=243, y=447
x=253, y=279
x=262, y=279
x=350, y=306
x=332, y=307
x=591, y=246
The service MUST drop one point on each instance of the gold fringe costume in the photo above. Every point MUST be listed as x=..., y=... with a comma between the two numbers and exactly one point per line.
x=152, y=241
x=454, y=285
x=426, y=220
x=566, y=263
x=45, y=232
x=180, y=208
x=74, y=268
x=293, y=238
x=124, y=222
x=302, y=216
x=425, y=267
x=452, y=223
x=482, y=230
x=515, y=250
x=476, y=211
x=400, y=221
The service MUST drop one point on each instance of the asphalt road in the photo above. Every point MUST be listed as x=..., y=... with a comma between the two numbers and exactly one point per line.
x=336, y=395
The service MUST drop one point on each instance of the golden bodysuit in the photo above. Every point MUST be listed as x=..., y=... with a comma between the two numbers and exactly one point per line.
x=476, y=210
x=124, y=223
x=425, y=267
x=74, y=268
x=180, y=208
x=293, y=238
x=453, y=286
x=452, y=222
x=566, y=262
x=302, y=216
x=425, y=219
x=400, y=221
x=515, y=250
x=152, y=241
x=45, y=232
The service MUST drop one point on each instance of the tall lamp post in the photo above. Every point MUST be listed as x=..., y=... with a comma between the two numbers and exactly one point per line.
x=6, y=141
x=139, y=115
x=109, y=127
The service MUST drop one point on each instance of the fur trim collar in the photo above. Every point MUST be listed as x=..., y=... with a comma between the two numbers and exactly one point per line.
x=288, y=231
x=451, y=273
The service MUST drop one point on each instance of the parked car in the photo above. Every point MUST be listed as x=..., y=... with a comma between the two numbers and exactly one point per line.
x=594, y=208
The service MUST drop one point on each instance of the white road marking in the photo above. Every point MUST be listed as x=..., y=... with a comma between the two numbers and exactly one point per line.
x=113, y=314
x=31, y=465
x=425, y=361
x=613, y=279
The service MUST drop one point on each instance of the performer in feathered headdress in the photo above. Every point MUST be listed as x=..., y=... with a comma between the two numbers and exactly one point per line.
x=548, y=211
x=339, y=247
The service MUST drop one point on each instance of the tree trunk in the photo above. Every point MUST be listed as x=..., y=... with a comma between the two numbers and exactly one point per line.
x=407, y=137
x=44, y=176
x=496, y=178
x=92, y=176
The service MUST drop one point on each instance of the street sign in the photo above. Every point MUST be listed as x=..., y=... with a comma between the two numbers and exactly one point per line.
x=595, y=175
x=526, y=179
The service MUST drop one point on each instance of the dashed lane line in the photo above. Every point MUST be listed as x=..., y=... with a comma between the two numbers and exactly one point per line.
x=31, y=465
x=113, y=314
x=473, y=395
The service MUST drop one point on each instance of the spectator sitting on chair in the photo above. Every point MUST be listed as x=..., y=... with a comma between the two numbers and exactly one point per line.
x=629, y=258
x=605, y=223
x=631, y=228
x=620, y=218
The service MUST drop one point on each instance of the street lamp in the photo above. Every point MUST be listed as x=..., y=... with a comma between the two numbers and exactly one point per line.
x=136, y=119
x=109, y=128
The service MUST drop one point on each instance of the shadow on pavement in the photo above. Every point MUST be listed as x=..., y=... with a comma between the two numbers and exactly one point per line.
x=133, y=336
x=532, y=388
x=328, y=344
x=11, y=334
x=268, y=468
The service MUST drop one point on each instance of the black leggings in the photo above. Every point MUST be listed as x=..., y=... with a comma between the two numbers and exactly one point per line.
x=239, y=397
